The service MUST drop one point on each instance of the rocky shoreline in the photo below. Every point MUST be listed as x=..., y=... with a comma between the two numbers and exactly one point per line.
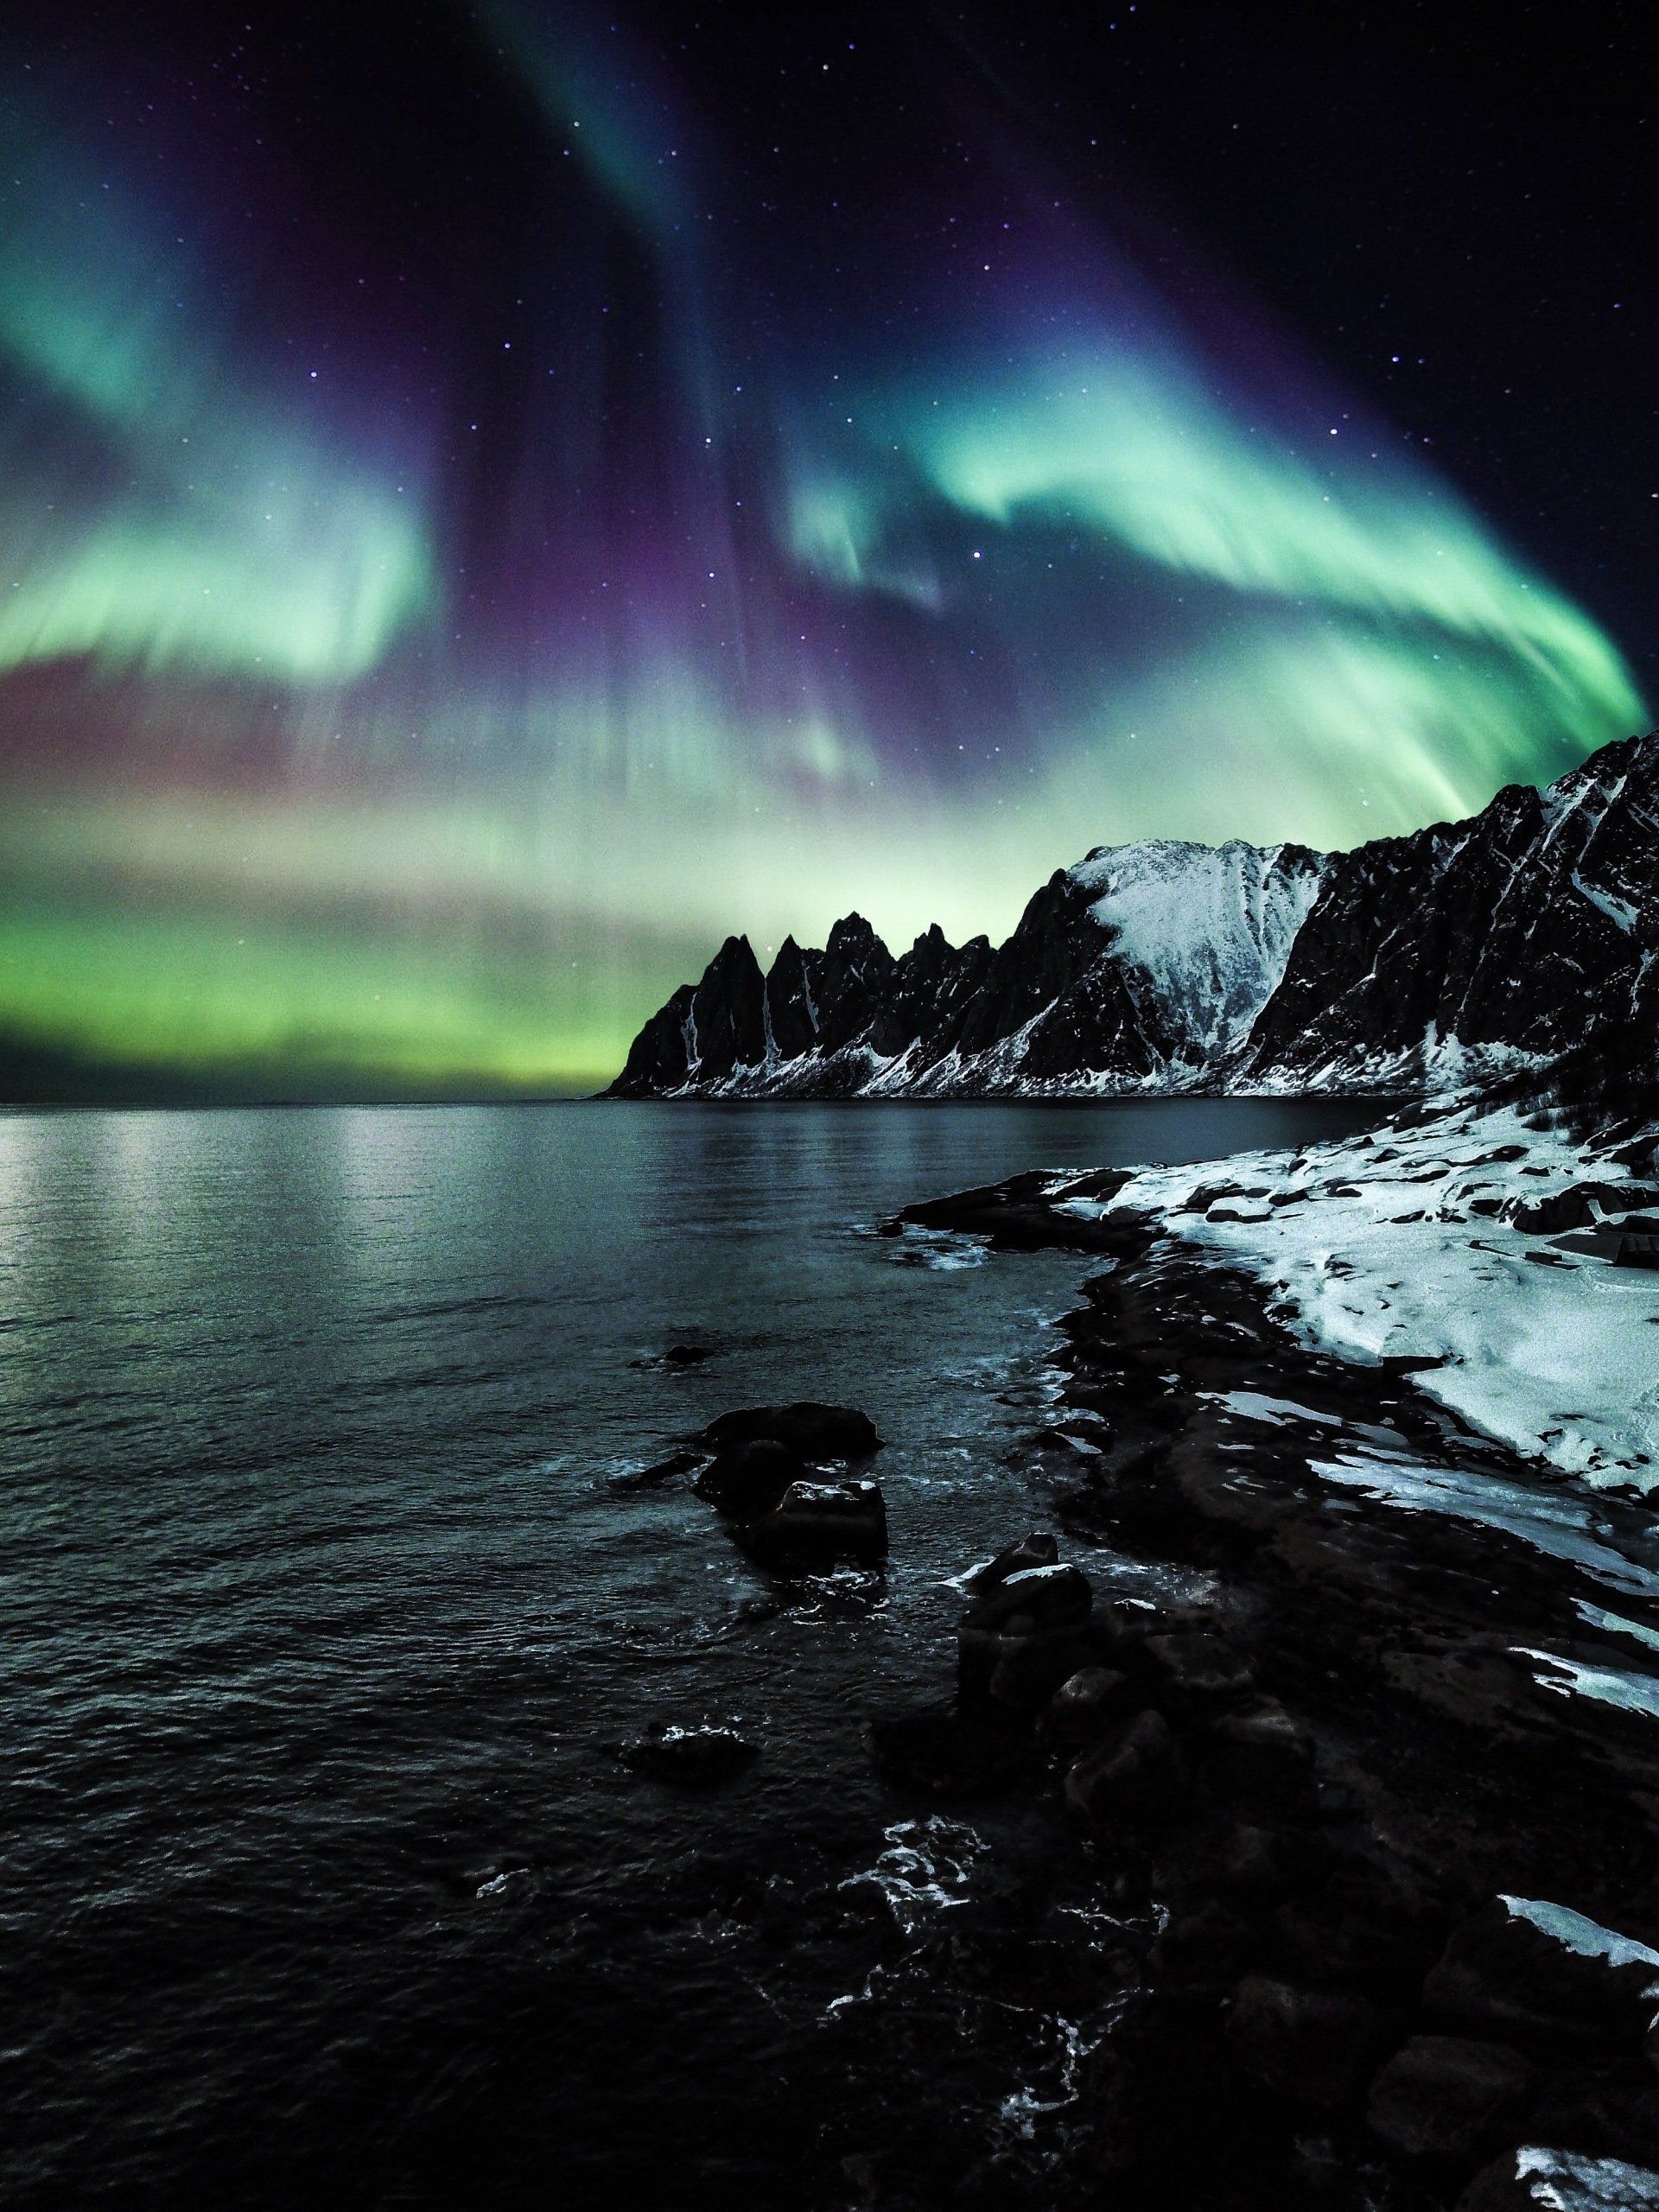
x=1325, y=1701
x=1403, y=1877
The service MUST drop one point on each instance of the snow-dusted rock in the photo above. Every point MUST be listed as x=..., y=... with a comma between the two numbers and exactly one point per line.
x=1138, y=968
x=1532, y=2179
x=1403, y=1248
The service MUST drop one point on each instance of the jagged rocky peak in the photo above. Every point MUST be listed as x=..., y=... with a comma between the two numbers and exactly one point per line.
x=1470, y=947
x=1411, y=962
x=706, y=1033
x=791, y=1007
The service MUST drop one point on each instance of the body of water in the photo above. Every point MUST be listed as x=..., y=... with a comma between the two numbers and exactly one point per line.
x=326, y=1595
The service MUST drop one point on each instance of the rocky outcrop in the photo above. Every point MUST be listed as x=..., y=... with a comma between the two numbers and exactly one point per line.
x=1410, y=963
x=1404, y=1938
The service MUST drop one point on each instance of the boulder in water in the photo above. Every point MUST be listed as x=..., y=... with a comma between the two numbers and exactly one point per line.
x=747, y=1478
x=1033, y=1616
x=817, y=1525
x=1038, y=1550
x=806, y=1427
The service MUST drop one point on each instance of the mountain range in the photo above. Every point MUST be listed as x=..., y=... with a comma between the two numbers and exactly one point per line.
x=1419, y=963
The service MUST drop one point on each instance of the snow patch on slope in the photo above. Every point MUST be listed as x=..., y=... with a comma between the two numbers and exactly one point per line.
x=1210, y=927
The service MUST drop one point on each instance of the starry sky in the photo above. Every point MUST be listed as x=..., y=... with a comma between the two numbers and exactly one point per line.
x=498, y=494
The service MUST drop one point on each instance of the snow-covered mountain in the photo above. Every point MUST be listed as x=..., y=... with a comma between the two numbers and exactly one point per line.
x=1410, y=963
x=1135, y=969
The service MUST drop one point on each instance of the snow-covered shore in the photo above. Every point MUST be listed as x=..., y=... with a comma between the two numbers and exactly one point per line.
x=1402, y=1245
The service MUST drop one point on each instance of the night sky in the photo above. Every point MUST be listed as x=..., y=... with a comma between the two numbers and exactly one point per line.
x=496, y=497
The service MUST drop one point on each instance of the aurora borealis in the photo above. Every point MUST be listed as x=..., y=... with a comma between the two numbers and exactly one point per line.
x=497, y=496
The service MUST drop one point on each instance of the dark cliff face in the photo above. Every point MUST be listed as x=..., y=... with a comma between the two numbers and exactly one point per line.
x=705, y=1032
x=1521, y=931
x=1419, y=960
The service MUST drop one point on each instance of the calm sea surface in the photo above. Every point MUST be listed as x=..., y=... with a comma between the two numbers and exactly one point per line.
x=324, y=1594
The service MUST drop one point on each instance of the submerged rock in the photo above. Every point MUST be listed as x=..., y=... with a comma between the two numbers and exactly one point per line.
x=696, y=1757
x=666, y=1470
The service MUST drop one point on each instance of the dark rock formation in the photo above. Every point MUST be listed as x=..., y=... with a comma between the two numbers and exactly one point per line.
x=1532, y=1971
x=779, y=1475
x=815, y=1526
x=1136, y=1767
x=1344, y=1822
x=1023, y=1628
x=806, y=1427
x=1133, y=968
x=705, y=1032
